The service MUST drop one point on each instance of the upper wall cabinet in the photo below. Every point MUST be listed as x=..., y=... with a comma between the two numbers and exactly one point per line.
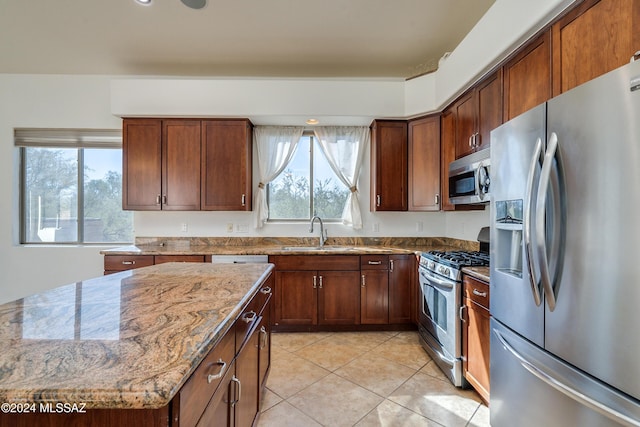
x=226, y=165
x=389, y=165
x=424, y=164
x=188, y=165
x=161, y=164
x=527, y=77
x=477, y=114
x=592, y=39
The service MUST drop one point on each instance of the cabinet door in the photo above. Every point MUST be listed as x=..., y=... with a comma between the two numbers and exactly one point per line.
x=389, y=166
x=465, y=124
x=141, y=164
x=424, y=164
x=527, y=77
x=181, y=165
x=296, y=298
x=401, y=268
x=226, y=165
x=247, y=375
x=592, y=39
x=476, y=347
x=489, y=104
x=374, y=297
x=219, y=411
x=338, y=298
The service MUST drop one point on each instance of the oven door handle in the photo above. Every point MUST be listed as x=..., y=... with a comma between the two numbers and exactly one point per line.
x=442, y=284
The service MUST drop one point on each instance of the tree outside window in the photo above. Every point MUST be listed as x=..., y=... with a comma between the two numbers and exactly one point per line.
x=54, y=210
x=306, y=187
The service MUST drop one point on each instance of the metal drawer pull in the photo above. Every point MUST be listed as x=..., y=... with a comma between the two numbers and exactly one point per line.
x=320, y=285
x=249, y=317
x=378, y=200
x=158, y=199
x=375, y=262
x=264, y=336
x=223, y=367
x=243, y=200
x=480, y=294
x=266, y=290
x=164, y=199
x=238, y=389
x=461, y=312
x=128, y=262
x=315, y=284
x=363, y=280
x=391, y=265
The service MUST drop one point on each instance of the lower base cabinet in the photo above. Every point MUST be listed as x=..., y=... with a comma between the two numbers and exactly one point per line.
x=476, y=335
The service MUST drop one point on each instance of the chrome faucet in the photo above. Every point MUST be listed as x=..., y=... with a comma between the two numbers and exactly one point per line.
x=323, y=232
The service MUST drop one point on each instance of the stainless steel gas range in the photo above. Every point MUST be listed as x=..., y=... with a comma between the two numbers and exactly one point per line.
x=440, y=326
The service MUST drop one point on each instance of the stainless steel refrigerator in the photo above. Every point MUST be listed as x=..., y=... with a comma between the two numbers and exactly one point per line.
x=565, y=259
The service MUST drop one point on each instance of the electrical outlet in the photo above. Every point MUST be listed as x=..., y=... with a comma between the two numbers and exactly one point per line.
x=184, y=227
x=242, y=228
x=229, y=227
x=375, y=227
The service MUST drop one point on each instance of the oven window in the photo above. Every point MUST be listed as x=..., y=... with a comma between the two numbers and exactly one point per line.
x=435, y=306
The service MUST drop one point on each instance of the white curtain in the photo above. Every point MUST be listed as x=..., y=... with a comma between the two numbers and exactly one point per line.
x=344, y=148
x=276, y=146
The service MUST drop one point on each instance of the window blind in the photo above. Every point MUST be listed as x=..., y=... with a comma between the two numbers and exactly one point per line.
x=68, y=138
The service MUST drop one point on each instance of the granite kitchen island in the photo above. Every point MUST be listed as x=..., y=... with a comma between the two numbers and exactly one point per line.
x=149, y=346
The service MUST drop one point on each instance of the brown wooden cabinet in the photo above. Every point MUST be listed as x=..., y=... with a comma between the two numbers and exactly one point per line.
x=226, y=165
x=527, y=77
x=117, y=263
x=447, y=154
x=374, y=289
x=424, y=164
x=476, y=335
x=476, y=114
x=316, y=290
x=187, y=164
x=389, y=165
x=401, y=287
x=592, y=39
x=161, y=164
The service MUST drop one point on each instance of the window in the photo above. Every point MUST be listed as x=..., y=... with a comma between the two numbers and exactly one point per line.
x=71, y=188
x=290, y=195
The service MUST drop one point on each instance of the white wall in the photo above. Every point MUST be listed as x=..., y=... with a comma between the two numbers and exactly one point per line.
x=76, y=101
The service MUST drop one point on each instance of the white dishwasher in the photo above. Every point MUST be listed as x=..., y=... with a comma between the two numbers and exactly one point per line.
x=239, y=259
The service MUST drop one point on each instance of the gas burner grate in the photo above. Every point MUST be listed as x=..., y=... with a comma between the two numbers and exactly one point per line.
x=458, y=258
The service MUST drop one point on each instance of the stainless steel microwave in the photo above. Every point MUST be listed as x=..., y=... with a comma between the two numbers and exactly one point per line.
x=470, y=178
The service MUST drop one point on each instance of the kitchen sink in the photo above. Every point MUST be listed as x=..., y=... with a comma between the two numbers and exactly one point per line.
x=316, y=248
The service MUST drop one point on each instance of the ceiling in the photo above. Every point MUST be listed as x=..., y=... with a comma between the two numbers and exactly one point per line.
x=252, y=38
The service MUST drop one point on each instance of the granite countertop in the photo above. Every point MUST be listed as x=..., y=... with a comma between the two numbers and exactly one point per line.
x=127, y=340
x=288, y=246
x=481, y=273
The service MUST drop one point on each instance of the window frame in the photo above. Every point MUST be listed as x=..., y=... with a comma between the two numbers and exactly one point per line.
x=79, y=140
x=312, y=138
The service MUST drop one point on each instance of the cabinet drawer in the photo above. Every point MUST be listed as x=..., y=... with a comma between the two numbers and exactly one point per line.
x=160, y=259
x=374, y=262
x=195, y=394
x=126, y=262
x=477, y=291
x=250, y=315
x=316, y=262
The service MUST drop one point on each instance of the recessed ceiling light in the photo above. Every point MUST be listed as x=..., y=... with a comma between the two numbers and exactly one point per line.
x=312, y=122
x=145, y=2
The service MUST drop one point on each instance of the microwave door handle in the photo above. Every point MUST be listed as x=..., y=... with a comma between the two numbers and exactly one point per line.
x=558, y=218
x=528, y=243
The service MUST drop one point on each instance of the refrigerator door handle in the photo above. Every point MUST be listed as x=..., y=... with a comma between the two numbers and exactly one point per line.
x=558, y=218
x=528, y=244
x=566, y=389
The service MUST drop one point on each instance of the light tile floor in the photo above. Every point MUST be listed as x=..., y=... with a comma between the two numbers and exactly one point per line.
x=363, y=379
